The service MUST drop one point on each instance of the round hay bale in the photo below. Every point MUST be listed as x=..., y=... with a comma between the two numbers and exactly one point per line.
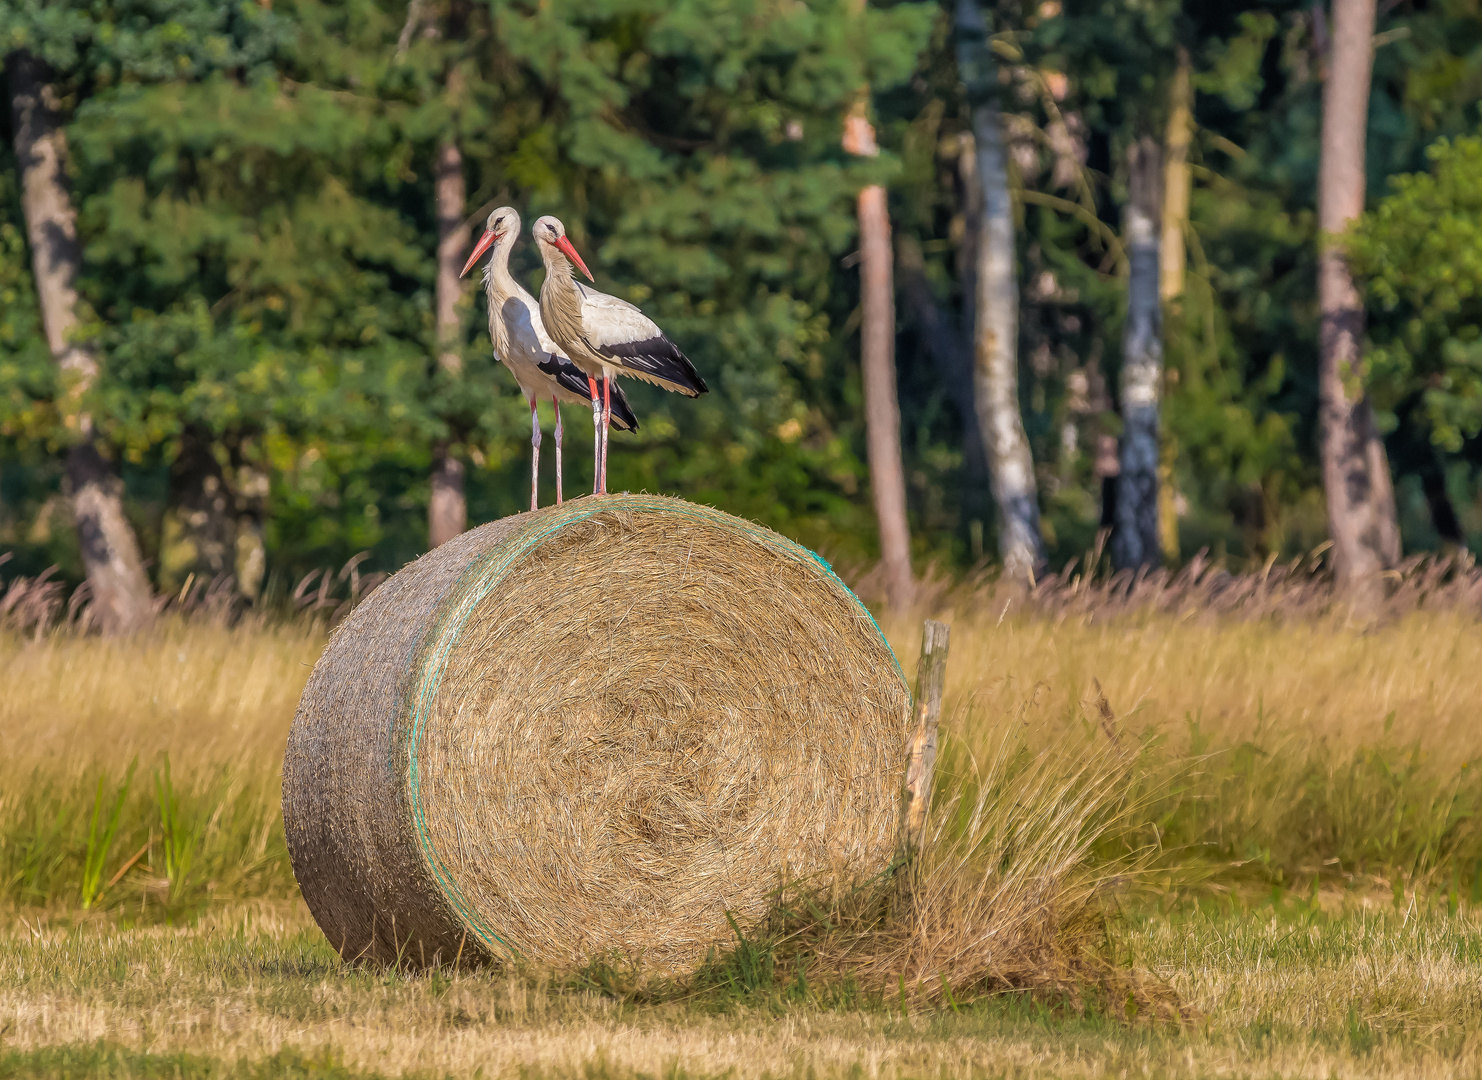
x=593, y=729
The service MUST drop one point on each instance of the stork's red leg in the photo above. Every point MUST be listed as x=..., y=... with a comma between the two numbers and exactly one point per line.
x=557, y=406
x=535, y=454
x=606, y=422
x=596, y=435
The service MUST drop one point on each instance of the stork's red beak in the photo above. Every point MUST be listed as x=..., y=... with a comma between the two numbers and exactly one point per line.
x=478, y=249
x=565, y=245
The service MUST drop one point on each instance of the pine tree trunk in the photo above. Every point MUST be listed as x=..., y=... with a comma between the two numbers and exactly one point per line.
x=1172, y=259
x=1177, y=180
x=252, y=488
x=1135, y=539
x=121, y=596
x=877, y=368
x=943, y=341
x=882, y=409
x=214, y=524
x=996, y=310
x=199, y=534
x=447, y=513
x=1361, y=506
x=1105, y=465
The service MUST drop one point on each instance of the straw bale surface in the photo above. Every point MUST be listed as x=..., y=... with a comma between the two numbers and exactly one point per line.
x=593, y=729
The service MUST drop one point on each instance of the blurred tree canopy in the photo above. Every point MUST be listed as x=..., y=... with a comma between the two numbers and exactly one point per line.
x=254, y=189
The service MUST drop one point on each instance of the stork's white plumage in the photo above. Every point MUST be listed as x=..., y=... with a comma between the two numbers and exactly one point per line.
x=603, y=335
x=522, y=344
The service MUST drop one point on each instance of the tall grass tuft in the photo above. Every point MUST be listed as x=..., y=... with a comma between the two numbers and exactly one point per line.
x=1007, y=893
x=100, y=834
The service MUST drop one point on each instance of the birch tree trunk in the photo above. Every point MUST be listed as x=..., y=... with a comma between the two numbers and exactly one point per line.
x=996, y=309
x=1361, y=505
x=447, y=512
x=121, y=596
x=1135, y=539
x=877, y=366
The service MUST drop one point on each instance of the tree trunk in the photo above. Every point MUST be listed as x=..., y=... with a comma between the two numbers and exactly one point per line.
x=996, y=307
x=121, y=596
x=1443, y=513
x=213, y=526
x=1172, y=259
x=877, y=366
x=882, y=409
x=252, y=488
x=1135, y=539
x=1177, y=180
x=1361, y=507
x=947, y=348
x=447, y=513
x=199, y=534
x=1105, y=465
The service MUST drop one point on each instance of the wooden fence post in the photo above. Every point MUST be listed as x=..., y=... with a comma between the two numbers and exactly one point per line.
x=931, y=676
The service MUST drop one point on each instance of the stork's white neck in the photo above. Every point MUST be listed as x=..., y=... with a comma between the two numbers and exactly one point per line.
x=557, y=265
x=498, y=282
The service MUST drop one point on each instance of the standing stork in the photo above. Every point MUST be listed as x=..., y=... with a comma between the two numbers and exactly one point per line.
x=604, y=335
x=522, y=345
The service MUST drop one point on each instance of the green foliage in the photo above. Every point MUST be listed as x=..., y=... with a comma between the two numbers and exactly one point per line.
x=27, y=374
x=260, y=239
x=1421, y=253
x=103, y=44
x=1121, y=56
x=254, y=187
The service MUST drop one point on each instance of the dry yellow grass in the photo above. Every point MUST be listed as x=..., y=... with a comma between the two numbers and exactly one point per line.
x=200, y=692
x=146, y=771
x=1319, y=681
x=1283, y=990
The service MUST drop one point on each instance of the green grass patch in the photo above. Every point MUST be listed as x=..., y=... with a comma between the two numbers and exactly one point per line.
x=104, y=1061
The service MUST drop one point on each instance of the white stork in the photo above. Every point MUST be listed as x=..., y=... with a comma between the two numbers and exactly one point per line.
x=522, y=345
x=604, y=335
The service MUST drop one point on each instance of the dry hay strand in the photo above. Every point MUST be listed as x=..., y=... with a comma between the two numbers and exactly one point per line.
x=592, y=730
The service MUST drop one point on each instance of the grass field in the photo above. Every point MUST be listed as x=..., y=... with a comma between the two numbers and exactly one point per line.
x=1287, y=989
x=1280, y=839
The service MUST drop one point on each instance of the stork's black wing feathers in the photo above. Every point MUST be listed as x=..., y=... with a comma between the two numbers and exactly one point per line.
x=574, y=379
x=622, y=413
x=568, y=375
x=659, y=357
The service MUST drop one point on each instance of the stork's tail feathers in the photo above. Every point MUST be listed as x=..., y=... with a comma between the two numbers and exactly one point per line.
x=622, y=413
x=574, y=379
x=657, y=360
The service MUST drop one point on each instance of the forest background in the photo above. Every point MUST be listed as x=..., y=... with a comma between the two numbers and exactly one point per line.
x=273, y=377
